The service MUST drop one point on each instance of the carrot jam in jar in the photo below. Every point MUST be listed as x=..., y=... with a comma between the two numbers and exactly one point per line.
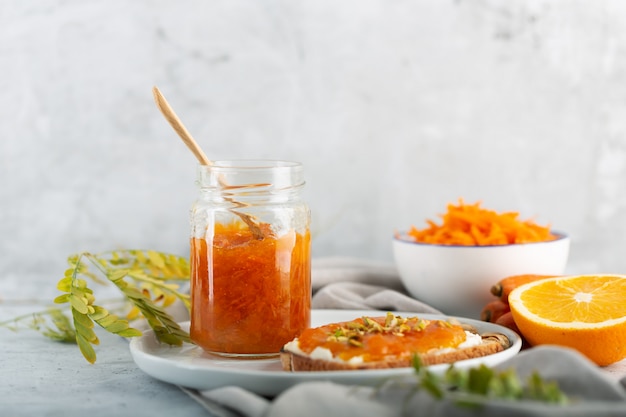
x=375, y=338
x=249, y=296
x=250, y=258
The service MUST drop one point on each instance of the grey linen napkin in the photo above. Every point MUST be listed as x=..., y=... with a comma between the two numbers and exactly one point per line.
x=346, y=283
x=592, y=393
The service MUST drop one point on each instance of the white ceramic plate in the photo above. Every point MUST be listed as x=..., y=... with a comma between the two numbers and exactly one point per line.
x=191, y=367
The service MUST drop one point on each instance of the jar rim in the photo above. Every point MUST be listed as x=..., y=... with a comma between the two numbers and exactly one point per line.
x=251, y=164
x=248, y=174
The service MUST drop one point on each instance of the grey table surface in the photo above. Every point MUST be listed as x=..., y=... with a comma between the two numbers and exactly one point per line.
x=40, y=377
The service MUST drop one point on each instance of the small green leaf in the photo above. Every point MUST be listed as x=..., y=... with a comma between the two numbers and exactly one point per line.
x=83, y=319
x=140, y=256
x=64, y=298
x=64, y=284
x=118, y=326
x=107, y=320
x=99, y=313
x=78, y=304
x=81, y=291
x=429, y=382
x=130, y=332
x=79, y=283
x=511, y=384
x=85, y=332
x=59, y=336
x=534, y=385
x=156, y=259
x=416, y=362
x=479, y=379
x=165, y=337
x=117, y=274
x=86, y=349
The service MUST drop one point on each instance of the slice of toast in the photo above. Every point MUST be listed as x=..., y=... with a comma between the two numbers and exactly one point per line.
x=397, y=331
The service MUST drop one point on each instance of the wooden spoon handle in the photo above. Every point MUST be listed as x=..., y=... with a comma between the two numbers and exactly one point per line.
x=178, y=126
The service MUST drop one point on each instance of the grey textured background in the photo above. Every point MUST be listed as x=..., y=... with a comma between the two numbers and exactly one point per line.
x=395, y=107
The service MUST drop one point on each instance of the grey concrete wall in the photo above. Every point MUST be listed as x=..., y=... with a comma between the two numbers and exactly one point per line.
x=396, y=108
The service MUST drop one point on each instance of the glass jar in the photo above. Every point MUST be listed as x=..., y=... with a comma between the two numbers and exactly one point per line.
x=250, y=258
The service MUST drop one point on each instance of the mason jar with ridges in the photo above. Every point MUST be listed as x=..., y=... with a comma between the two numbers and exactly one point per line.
x=250, y=258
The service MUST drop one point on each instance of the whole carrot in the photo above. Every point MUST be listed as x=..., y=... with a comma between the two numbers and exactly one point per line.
x=493, y=310
x=507, y=321
x=503, y=288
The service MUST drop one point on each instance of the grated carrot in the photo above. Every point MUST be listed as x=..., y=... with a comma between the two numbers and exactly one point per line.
x=472, y=225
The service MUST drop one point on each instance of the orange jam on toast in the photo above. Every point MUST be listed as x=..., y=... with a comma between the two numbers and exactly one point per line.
x=375, y=338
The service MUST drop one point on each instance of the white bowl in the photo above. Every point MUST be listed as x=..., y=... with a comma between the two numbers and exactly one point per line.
x=456, y=279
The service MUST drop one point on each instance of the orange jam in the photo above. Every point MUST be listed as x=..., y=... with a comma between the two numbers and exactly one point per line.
x=375, y=338
x=249, y=296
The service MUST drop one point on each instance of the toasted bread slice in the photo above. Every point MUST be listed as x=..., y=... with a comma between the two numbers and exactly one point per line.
x=397, y=331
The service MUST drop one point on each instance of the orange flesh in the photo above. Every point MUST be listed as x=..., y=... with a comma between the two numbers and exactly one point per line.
x=586, y=299
x=249, y=296
x=377, y=345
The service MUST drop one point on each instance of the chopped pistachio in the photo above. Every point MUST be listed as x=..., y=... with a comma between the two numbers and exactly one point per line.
x=352, y=332
x=355, y=326
x=421, y=325
x=404, y=327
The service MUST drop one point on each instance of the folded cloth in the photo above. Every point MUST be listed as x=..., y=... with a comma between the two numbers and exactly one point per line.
x=230, y=401
x=345, y=283
x=352, y=283
x=352, y=295
x=331, y=270
x=591, y=393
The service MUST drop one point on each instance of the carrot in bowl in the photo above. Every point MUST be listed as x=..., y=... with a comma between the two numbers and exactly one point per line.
x=472, y=225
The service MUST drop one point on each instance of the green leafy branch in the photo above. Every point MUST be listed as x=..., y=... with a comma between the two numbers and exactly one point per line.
x=473, y=387
x=149, y=281
x=62, y=330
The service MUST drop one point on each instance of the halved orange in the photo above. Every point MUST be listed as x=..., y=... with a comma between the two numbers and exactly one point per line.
x=584, y=312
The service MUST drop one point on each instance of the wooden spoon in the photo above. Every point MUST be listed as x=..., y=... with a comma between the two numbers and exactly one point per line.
x=184, y=134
